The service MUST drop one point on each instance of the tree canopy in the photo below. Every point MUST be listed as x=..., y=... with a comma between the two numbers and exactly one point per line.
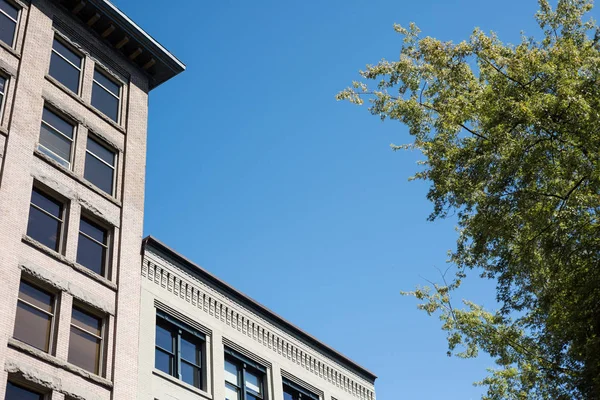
x=510, y=136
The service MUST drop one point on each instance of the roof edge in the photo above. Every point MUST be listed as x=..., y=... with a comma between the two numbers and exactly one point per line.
x=255, y=305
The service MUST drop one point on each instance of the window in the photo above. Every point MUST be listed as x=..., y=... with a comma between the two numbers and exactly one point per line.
x=92, y=251
x=178, y=350
x=16, y=392
x=100, y=166
x=244, y=379
x=35, y=315
x=106, y=95
x=85, y=342
x=292, y=391
x=2, y=89
x=9, y=19
x=65, y=65
x=56, y=137
x=46, y=217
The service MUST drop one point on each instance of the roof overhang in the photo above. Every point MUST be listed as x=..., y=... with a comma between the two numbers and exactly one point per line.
x=117, y=30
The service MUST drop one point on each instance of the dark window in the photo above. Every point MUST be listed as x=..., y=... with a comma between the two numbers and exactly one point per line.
x=15, y=392
x=45, y=219
x=92, y=250
x=85, y=342
x=65, y=65
x=292, y=391
x=244, y=379
x=2, y=90
x=56, y=137
x=178, y=350
x=9, y=19
x=100, y=166
x=106, y=95
x=35, y=312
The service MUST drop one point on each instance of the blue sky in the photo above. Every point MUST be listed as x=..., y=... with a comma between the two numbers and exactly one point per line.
x=256, y=172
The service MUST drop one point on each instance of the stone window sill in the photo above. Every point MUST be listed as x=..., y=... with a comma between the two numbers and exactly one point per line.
x=182, y=384
x=59, y=257
x=80, y=180
x=50, y=359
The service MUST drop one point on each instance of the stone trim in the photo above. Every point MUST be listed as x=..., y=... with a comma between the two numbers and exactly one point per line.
x=183, y=318
x=215, y=304
x=36, y=353
x=301, y=383
x=77, y=267
x=82, y=295
x=234, y=346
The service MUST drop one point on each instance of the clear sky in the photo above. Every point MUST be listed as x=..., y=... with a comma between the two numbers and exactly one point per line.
x=256, y=173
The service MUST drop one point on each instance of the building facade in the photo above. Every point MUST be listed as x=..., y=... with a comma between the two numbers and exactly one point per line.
x=202, y=339
x=74, y=82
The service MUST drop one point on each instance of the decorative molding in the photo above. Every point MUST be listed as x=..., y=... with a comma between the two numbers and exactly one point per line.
x=234, y=346
x=213, y=303
x=182, y=317
x=301, y=383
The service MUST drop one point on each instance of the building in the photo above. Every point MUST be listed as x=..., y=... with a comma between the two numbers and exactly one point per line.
x=74, y=82
x=89, y=310
x=202, y=339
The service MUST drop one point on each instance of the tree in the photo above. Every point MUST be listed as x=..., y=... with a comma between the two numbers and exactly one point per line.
x=510, y=137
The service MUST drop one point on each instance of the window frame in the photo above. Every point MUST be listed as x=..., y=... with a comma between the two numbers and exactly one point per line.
x=178, y=329
x=107, y=247
x=26, y=387
x=4, y=93
x=244, y=364
x=103, y=320
x=302, y=392
x=119, y=98
x=57, y=37
x=54, y=315
x=101, y=143
x=73, y=140
x=62, y=220
x=17, y=21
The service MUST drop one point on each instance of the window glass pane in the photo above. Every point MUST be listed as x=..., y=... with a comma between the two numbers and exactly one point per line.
x=64, y=72
x=55, y=145
x=58, y=123
x=32, y=326
x=36, y=297
x=164, y=338
x=231, y=393
x=250, y=396
x=93, y=230
x=8, y=28
x=14, y=392
x=9, y=9
x=84, y=350
x=46, y=203
x=98, y=173
x=67, y=53
x=287, y=394
x=91, y=254
x=163, y=362
x=43, y=228
x=231, y=373
x=86, y=321
x=107, y=83
x=101, y=151
x=105, y=102
x=253, y=382
x=2, y=83
x=190, y=374
x=190, y=351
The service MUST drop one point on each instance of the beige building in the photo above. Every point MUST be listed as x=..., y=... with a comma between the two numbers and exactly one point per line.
x=202, y=339
x=74, y=82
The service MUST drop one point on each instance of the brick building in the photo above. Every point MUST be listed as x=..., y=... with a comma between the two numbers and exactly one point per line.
x=89, y=310
x=74, y=83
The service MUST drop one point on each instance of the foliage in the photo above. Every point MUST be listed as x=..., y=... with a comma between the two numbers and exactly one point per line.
x=510, y=137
